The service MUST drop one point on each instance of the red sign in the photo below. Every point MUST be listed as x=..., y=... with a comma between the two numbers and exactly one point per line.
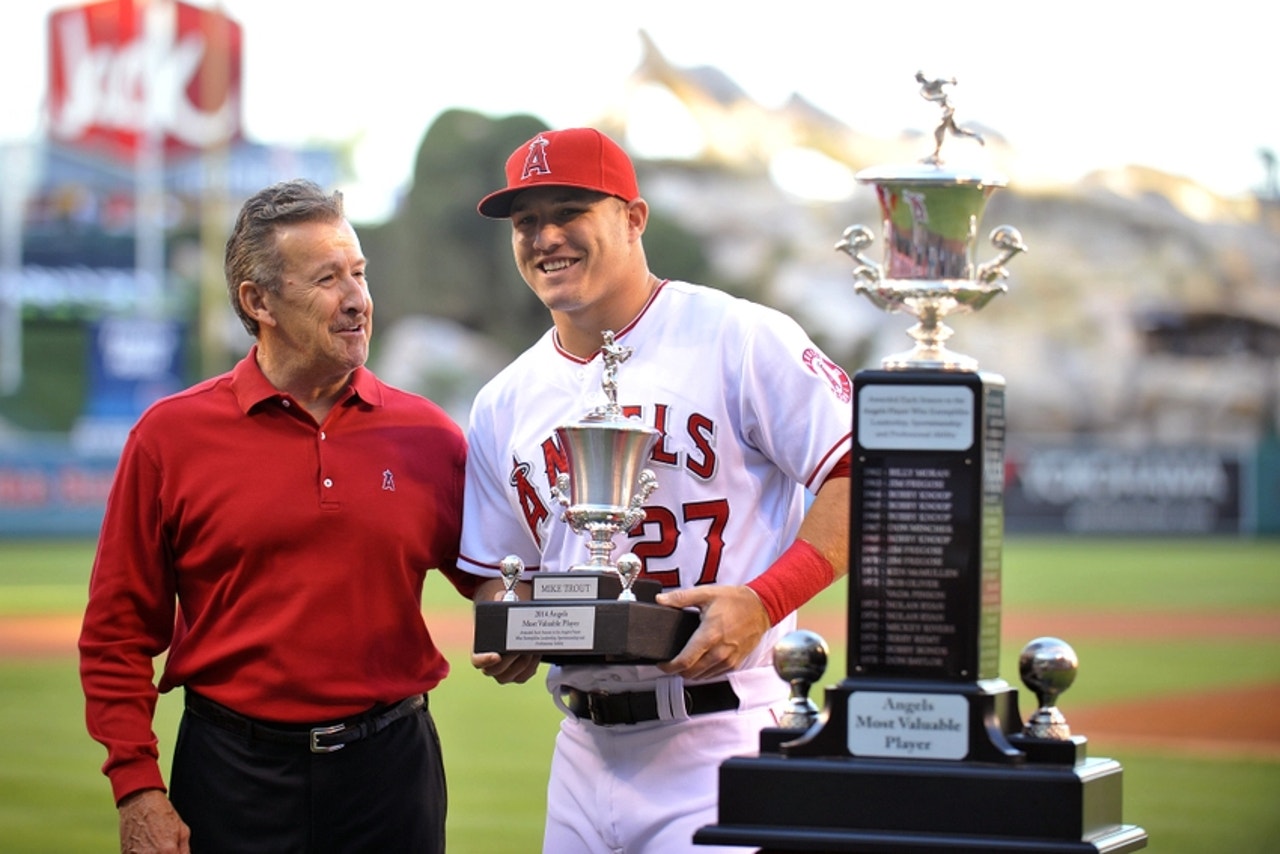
x=122, y=68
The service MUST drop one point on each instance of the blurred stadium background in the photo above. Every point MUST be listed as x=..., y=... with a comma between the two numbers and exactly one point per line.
x=1140, y=340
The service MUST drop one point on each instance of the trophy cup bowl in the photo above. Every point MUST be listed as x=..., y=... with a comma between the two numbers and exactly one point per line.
x=930, y=219
x=606, y=485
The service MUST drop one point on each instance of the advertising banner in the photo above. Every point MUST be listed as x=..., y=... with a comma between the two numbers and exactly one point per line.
x=1103, y=490
x=121, y=69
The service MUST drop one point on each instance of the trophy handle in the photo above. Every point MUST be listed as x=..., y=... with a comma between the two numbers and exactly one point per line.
x=646, y=483
x=852, y=242
x=1008, y=240
x=560, y=493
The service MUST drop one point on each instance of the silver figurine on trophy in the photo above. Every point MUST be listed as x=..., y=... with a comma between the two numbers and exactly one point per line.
x=931, y=216
x=598, y=609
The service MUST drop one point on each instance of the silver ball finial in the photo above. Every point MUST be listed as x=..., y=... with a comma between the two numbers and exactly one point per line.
x=1048, y=666
x=511, y=567
x=629, y=567
x=800, y=658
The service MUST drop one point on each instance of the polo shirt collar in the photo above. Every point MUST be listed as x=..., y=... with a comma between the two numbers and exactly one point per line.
x=251, y=386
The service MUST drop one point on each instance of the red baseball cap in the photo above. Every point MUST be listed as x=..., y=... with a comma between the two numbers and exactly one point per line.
x=575, y=157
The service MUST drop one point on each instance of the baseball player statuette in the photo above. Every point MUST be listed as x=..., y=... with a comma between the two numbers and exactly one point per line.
x=921, y=747
x=598, y=610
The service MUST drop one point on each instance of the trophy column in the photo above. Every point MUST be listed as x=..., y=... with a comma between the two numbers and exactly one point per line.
x=920, y=748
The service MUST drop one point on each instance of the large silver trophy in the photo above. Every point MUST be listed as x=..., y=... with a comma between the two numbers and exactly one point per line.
x=931, y=216
x=920, y=749
x=598, y=610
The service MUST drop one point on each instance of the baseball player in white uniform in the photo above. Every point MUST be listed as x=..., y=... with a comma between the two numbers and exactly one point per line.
x=751, y=414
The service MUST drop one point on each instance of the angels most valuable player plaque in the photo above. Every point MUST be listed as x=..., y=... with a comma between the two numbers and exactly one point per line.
x=921, y=747
x=598, y=610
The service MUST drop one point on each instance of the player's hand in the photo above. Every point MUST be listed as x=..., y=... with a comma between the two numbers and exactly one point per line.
x=150, y=825
x=733, y=622
x=506, y=668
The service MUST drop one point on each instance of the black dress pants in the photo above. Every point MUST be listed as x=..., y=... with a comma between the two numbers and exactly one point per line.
x=242, y=795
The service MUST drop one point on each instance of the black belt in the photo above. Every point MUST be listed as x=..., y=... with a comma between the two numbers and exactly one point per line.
x=320, y=739
x=632, y=707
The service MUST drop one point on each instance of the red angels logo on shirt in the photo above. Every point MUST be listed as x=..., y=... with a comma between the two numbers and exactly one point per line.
x=535, y=162
x=828, y=370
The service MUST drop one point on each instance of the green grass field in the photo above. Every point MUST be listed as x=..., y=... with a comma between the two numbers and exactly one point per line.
x=497, y=739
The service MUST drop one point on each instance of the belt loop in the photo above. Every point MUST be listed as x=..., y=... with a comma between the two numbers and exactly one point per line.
x=673, y=699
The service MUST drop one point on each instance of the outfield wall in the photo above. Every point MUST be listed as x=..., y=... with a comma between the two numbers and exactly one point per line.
x=47, y=488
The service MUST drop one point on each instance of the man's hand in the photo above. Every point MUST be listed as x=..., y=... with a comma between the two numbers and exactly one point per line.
x=504, y=668
x=150, y=825
x=733, y=622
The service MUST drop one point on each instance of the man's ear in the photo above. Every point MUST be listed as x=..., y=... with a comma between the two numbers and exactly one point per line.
x=637, y=215
x=253, y=299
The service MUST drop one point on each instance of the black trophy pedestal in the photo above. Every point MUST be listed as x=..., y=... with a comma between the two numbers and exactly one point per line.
x=576, y=618
x=921, y=750
x=778, y=804
x=809, y=791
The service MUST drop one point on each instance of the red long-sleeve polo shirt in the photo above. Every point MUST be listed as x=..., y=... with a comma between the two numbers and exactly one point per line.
x=280, y=563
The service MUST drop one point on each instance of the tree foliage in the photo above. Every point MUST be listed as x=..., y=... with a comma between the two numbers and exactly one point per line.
x=439, y=256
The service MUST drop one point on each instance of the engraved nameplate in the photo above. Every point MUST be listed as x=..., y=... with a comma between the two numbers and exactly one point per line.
x=571, y=627
x=915, y=417
x=561, y=587
x=908, y=726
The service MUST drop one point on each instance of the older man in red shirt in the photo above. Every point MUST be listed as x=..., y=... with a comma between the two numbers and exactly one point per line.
x=270, y=529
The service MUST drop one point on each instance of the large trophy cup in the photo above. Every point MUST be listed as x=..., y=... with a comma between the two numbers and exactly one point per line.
x=599, y=610
x=921, y=747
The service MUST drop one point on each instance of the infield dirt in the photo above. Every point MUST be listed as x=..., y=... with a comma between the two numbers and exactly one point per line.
x=1227, y=722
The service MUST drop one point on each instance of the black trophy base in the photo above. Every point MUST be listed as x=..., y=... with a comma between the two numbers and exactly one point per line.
x=576, y=618
x=781, y=804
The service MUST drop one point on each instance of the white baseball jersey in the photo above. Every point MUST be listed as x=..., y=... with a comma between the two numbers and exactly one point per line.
x=750, y=414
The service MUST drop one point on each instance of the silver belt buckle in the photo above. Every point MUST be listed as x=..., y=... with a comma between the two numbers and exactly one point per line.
x=317, y=732
x=595, y=707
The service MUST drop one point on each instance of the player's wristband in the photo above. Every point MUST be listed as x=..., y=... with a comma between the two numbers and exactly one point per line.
x=799, y=574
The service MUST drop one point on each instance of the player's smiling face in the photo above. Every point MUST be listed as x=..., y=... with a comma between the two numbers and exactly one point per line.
x=578, y=250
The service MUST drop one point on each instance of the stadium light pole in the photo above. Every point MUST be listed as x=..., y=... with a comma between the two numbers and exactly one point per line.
x=15, y=179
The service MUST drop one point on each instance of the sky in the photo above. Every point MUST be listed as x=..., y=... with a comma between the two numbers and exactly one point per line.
x=1073, y=87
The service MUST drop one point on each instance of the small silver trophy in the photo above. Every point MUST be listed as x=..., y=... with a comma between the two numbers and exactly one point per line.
x=606, y=486
x=1048, y=666
x=931, y=216
x=597, y=610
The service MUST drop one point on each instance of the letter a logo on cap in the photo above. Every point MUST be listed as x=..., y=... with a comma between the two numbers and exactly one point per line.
x=535, y=162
